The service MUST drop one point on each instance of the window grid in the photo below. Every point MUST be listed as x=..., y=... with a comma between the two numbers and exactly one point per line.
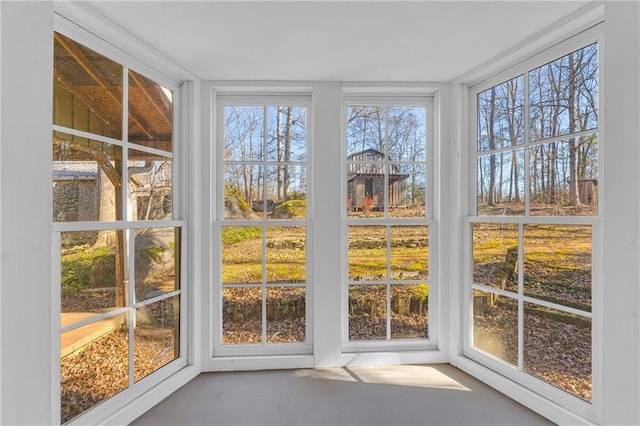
x=267, y=341
x=358, y=163
x=124, y=223
x=525, y=221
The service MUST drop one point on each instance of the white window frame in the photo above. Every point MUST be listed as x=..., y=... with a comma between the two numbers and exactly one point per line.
x=255, y=97
x=181, y=139
x=393, y=98
x=563, y=399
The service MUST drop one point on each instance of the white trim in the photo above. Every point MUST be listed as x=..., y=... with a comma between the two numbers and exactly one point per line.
x=254, y=363
x=262, y=95
x=124, y=402
x=394, y=357
x=140, y=404
x=116, y=226
x=385, y=96
x=559, y=397
x=80, y=19
x=532, y=400
x=574, y=23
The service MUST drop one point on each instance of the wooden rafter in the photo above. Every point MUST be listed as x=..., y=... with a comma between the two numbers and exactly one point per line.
x=163, y=111
x=73, y=89
x=97, y=76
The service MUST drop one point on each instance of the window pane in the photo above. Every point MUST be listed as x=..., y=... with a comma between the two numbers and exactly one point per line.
x=495, y=325
x=243, y=133
x=156, y=336
x=286, y=192
x=557, y=264
x=366, y=130
x=367, y=253
x=150, y=186
x=157, y=270
x=86, y=176
x=501, y=115
x=409, y=252
x=557, y=349
x=564, y=95
x=501, y=184
x=367, y=312
x=150, y=113
x=409, y=311
x=495, y=255
x=407, y=136
x=286, y=133
x=243, y=192
x=241, y=315
x=92, y=277
x=286, y=254
x=94, y=365
x=87, y=89
x=241, y=254
x=286, y=307
x=564, y=178
x=407, y=190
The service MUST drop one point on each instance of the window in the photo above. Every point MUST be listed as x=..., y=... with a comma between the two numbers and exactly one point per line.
x=263, y=296
x=389, y=211
x=534, y=232
x=116, y=230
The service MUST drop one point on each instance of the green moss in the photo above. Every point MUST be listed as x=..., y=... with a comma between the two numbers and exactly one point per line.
x=84, y=267
x=296, y=208
x=153, y=253
x=237, y=234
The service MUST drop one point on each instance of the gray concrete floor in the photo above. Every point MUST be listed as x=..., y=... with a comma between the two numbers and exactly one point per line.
x=392, y=395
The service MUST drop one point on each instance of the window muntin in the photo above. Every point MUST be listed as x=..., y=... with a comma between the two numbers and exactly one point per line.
x=537, y=212
x=113, y=212
x=387, y=189
x=263, y=227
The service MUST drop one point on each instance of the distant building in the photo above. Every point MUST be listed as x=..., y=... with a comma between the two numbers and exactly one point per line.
x=75, y=191
x=366, y=179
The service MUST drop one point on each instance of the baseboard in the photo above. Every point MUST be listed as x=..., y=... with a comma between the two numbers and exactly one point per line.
x=520, y=394
x=144, y=402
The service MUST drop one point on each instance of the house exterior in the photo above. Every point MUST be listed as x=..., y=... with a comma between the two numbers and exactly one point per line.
x=365, y=179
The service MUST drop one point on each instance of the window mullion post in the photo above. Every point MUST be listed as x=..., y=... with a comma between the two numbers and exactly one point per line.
x=520, y=297
x=265, y=172
x=130, y=299
x=527, y=124
x=125, y=142
x=264, y=283
x=388, y=286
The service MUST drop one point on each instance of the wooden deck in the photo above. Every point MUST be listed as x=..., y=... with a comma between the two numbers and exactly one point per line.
x=74, y=340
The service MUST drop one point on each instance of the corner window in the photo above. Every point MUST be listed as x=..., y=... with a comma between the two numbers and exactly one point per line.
x=533, y=235
x=115, y=226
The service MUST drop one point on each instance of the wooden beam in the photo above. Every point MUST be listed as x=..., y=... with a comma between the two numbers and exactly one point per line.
x=73, y=89
x=163, y=111
x=97, y=76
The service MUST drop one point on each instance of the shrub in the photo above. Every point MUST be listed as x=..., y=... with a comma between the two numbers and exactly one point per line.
x=366, y=204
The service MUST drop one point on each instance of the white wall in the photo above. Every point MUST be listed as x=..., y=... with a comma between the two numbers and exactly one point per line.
x=27, y=73
x=621, y=218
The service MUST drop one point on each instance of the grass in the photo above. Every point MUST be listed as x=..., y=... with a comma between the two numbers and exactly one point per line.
x=84, y=266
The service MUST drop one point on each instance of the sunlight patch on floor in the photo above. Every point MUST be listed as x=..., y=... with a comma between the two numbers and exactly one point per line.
x=405, y=375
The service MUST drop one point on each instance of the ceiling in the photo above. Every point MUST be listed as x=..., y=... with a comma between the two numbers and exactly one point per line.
x=334, y=40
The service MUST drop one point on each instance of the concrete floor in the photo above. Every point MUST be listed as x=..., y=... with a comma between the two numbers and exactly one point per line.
x=392, y=395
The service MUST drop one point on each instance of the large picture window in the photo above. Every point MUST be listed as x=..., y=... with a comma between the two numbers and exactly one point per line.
x=388, y=212
x=263, y=297
x=116, y=227
x=536, y=219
